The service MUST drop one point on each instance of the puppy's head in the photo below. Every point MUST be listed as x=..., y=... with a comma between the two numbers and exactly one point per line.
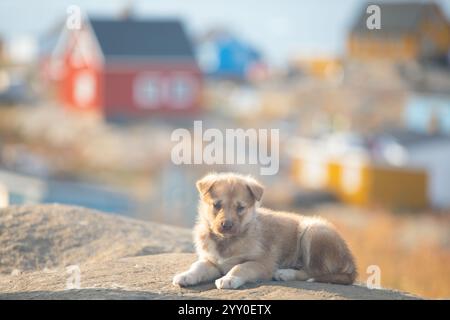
x=227, y=202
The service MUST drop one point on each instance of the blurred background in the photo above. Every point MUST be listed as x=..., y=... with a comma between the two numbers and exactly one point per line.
x=87, y=112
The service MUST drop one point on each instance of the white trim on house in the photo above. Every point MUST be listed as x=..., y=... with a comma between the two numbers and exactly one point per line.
x=165, y=90
x=189, y=88
x=85, y=88
x=99, y=51
x=148, y=86
x=61, y=47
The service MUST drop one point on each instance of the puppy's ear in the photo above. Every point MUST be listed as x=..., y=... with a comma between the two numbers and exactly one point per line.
x=205, y=184
x=256, y=189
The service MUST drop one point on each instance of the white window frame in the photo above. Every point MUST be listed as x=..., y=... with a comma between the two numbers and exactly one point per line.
x=139, y=97
x=190, y=83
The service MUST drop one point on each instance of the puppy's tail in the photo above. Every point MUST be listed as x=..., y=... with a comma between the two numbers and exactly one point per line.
x=337, y=278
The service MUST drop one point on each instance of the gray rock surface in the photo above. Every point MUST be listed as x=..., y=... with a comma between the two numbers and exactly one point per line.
x=121, y=258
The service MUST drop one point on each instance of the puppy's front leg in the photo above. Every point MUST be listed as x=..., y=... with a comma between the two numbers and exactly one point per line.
x=245, y=272
x=200, y=271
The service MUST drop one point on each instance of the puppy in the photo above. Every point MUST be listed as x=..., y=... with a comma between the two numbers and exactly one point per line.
x=238, y=242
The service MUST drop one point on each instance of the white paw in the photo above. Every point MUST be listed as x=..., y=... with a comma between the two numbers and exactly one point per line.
x=229, y=282
x=284, y=274
x=184, y=279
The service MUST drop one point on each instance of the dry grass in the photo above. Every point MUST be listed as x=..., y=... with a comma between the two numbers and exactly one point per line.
x=412, y=251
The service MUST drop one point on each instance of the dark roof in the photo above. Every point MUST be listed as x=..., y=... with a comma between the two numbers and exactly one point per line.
x=142, y=39
x=397, y=18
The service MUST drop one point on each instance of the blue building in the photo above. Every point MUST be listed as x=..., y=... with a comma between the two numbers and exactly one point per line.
x=221, y=55
x=428, y=113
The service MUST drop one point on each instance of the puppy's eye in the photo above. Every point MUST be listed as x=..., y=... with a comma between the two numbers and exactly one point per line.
x=217, y=205
x=240, y=208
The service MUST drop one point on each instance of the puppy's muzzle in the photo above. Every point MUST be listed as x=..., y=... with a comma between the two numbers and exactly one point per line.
x=226, y=226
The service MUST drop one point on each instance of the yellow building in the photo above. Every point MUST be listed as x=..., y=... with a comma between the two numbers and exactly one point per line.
x=367, y=184
x=408, y=31
x=353, y=178
x=322, y=67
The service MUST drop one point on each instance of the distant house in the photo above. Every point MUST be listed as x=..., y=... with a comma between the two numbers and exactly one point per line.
x=222, y=55
x=409, y=31
x=127, y=68
x=394, y=168
x=428, y=113
x=343, y=165
x=421, y=151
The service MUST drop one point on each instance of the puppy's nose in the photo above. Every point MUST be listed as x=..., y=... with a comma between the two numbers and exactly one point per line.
x=227, y=225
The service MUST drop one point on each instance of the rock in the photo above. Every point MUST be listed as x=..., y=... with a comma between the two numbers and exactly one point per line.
x=102, y=256
x=47, y=236
x=149, y=277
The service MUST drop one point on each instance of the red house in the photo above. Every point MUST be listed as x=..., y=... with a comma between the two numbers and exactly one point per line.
x=128, y=68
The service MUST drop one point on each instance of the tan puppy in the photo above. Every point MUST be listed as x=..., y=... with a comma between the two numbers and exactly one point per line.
x=238, y=242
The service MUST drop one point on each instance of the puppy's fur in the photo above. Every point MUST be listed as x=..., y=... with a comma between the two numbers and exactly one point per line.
x=238, y=242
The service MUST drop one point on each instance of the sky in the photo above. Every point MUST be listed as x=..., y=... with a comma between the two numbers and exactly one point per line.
x=280, y=28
